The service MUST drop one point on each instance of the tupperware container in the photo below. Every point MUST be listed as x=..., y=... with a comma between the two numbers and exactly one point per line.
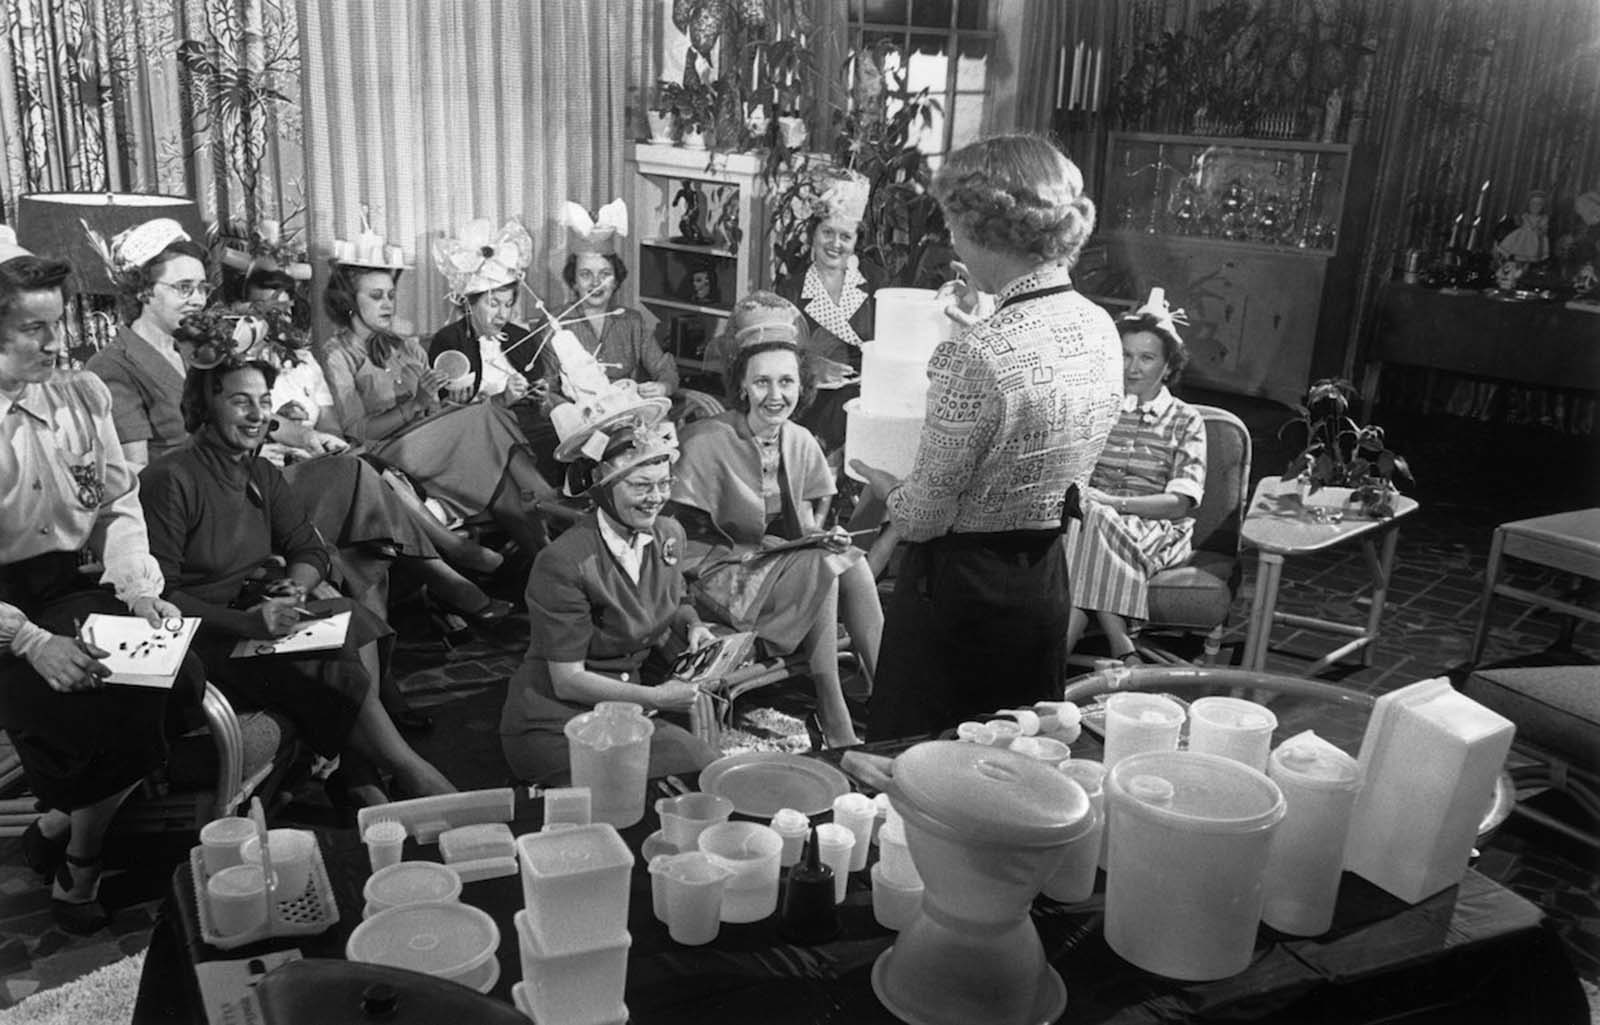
x=452, y=941
x=685, y=817
x=291, y=851
x=578, y=986
x=1319, y=784
x=894, y=904
x=220, y=839
x=609, y=751
x=794, y=826
x=575, y=881
x=695, y=882
x=750, y=851
x=894, y=857
x=1189, y=836
x=410, y=882
x=568, y=804
x=1233, y=728
x=1073, y=882
x=477, y=842
x=857, y=813
x=1138, y=722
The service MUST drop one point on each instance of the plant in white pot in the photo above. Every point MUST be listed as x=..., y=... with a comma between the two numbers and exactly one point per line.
x=662, y=114
x=1342, y=454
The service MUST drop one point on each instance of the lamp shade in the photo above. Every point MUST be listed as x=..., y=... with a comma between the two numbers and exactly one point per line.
x=55, y=224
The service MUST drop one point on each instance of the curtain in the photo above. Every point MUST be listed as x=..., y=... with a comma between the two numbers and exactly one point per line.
x=435, y=112
x=93, y=96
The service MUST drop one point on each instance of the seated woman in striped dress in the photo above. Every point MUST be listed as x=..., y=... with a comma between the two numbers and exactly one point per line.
x=1138, y=509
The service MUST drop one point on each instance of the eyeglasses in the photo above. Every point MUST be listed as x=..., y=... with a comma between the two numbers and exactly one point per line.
x=189, y=289
x=645, y=488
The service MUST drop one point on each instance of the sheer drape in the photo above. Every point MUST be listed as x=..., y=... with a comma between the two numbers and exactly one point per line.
x=92, y=97
x=434, y=112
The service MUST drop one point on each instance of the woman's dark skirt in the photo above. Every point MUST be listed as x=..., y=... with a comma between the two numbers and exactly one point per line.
x=81, y=747
x=977, y=623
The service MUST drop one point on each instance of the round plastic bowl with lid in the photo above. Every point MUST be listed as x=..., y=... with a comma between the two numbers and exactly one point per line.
x=1188, y=843
x=452, y=941
x=411, y=882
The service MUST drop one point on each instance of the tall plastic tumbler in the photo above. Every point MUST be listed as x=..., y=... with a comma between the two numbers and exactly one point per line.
x=1188, y=850
x=1138, y=722
x=1233, y=728
x=610, y=754
x=1319, y=784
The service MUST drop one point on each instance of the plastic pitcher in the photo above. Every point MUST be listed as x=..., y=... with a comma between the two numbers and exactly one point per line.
x=610, y=754
x=1189, y=836
x=1319, y=784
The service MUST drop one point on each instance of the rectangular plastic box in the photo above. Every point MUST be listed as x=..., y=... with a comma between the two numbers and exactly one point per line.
x=1430, y=758
x=476, y=842
x=575, y=886
x=568, y=804
x=580, y=987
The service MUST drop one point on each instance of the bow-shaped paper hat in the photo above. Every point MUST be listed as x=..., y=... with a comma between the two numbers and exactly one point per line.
x=138, y=245
x=9, y=249
x=1164, y=318
x=368, y=249
x=597, y=234
x=841, y=193
x=482, y=259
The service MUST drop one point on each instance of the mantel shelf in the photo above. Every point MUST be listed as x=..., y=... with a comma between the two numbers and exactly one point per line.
x=686, y=247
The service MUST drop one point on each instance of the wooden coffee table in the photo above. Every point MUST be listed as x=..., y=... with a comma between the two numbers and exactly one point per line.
x=1278, y=526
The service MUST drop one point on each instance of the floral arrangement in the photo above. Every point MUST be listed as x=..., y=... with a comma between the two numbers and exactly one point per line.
x=1339, y=452
x=266, y=246
x=219, y=333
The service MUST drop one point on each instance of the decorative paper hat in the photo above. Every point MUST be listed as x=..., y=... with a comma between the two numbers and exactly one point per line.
x=9, y=250
x=265, y=250
x=1166, y=318
x=369, y=249
x=646, y=443
x=755, y=321
x=598, y=234
x=139, y=244
x=841, y=193
x=482, y=259
x=587, y=427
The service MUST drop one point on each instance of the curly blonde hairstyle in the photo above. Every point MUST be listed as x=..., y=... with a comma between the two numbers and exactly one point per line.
x=1016, y=194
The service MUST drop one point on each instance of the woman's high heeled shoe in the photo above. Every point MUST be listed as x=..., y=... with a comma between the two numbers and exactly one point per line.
x=78, y=917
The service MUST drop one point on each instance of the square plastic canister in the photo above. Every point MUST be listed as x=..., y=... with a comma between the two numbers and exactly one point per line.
x=575, y=886
x=574, y=987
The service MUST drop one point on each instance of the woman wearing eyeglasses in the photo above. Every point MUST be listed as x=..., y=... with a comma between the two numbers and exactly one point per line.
x=606, y=602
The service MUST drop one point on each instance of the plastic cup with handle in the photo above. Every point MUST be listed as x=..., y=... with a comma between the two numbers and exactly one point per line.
x=291, y=860
x=236, y=896
x=384, y=840
x=220, y=840
x=685, y=817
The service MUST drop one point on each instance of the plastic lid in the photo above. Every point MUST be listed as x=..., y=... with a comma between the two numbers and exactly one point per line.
x=1208, y=793
x=854, y=804
x=975, y=732
x=1088, y=774
x=412, y=882
x=1233, y=713
x=1145, y=708
x=446, y=940
x=790, y=821
x=990, y=795
x=576, y=851
x=1044, y=749
x=386, y=830
x=237, y=881
x=1306, y=760
x=690, y=867
x=611, y=724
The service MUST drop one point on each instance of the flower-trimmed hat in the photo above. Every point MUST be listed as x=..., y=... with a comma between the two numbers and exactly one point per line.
x=631, y=445
x=369, y=250
x=139, y=244
x=597, y=234
x=587, y=427
x=483, y=259
x=266, y=249
x=840, y=193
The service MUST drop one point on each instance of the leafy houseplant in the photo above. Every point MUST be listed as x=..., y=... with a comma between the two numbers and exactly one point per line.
x=663, y=111
x=1339, y=452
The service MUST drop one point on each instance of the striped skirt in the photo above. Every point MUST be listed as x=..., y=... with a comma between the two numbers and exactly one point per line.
x=1111, y=558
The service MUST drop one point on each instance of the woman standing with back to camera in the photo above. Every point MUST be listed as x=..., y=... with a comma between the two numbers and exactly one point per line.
x=1019, y=406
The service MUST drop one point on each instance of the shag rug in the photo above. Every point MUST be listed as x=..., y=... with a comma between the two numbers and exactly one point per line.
x=103, y=997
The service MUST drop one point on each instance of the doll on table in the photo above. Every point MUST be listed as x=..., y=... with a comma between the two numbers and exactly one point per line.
x=1529, y=242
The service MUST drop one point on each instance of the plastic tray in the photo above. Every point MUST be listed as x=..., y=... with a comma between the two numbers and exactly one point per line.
x=308, y=914
x=426, y=817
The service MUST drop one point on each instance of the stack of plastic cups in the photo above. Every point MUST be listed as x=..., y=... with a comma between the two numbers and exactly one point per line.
x=794, y=827
x=573, y=931
x=857, y=813
x=1073, y=882
x=1304, y=864
x=896, y=886
x=836, y=844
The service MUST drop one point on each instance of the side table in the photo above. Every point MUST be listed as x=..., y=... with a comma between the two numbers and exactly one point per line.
x=1568, y=541
x=1277, y=525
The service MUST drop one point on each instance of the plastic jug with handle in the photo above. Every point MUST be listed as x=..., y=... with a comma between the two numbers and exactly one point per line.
x=610, y=754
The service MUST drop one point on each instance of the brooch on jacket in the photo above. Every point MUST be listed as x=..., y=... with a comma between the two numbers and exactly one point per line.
x=669, y=551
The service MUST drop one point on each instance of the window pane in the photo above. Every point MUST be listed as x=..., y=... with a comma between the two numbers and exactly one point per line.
x=972, y=14
x=966, y=120
x=888, y=12
x=932, y=138
x=929, y=66
x=972, y=69
x=931, y=14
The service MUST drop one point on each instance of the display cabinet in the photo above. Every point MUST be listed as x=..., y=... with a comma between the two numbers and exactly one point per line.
x=1240, y=233
x=698, y=222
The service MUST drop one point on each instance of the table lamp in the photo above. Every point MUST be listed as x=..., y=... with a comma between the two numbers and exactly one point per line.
x=57, y=224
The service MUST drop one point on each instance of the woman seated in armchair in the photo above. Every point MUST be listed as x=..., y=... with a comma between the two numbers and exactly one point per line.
x=1138, y=511
x=606, y=600
x=753, y=476
x=217, y=515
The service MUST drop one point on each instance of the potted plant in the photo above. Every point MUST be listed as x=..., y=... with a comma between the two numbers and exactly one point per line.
x=697, y=112
x=663, y=113
x=1349, y=460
